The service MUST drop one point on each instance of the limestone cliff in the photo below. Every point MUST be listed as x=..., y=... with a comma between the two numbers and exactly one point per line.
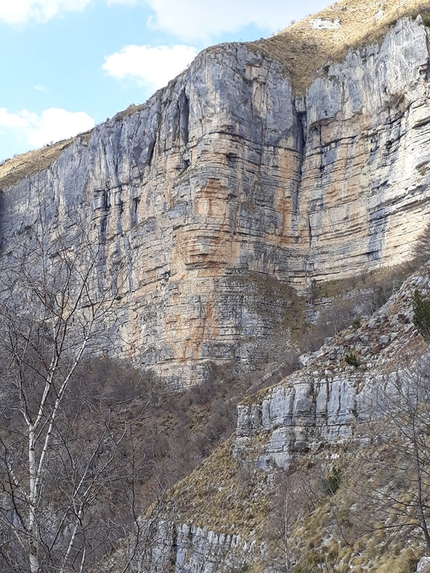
x=220, y=517
x=228, y=191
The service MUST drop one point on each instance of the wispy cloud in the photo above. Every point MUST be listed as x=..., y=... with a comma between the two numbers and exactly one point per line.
x=203, y=19
x=153, y=66
x=21, y=11
x=52, y=124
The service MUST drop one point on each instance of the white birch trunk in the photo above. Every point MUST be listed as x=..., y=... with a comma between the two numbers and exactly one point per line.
x=32, y=521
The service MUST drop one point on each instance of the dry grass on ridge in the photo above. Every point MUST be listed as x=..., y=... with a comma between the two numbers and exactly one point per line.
x=305, y=50
x=26, y=164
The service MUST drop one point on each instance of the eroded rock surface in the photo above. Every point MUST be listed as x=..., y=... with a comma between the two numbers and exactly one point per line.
x=326, y=400
x=225, y=190
x=314, y=412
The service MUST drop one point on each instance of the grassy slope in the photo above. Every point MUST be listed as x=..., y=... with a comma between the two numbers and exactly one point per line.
x=224, y=495
x=12, y=171
x=305, y=50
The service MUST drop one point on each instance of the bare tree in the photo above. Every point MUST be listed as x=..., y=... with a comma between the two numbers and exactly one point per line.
x=57, y=451
x=297, y=494
x=392, y=473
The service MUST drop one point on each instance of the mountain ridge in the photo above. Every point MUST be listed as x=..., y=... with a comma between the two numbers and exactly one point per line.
x=303, y=40
x=324, y=38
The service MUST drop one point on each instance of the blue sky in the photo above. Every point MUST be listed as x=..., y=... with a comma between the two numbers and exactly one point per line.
x=67, y=65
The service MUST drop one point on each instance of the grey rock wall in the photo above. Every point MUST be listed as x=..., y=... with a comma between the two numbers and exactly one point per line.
x=224, y=190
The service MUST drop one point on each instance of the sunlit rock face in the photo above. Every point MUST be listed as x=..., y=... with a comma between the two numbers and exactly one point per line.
x=225, y=190
x=365, y=173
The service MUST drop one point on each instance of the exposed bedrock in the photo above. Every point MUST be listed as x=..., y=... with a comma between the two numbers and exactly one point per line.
x=225, y=191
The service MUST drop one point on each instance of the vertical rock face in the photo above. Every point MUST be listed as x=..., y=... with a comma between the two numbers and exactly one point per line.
x=189, y=198
x=225, y=190
x=365, y=172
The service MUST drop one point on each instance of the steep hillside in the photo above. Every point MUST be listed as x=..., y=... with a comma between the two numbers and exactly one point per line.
x=309, y=45
x=288, y=491
x=264, y=190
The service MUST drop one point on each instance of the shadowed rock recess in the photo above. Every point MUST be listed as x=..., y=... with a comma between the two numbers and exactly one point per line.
x=231, y=189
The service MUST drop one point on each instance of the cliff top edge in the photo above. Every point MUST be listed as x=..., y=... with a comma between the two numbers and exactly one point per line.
x=307, y=46
x=304, y=48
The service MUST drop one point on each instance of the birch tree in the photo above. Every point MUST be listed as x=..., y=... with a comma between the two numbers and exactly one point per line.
x=57, y=453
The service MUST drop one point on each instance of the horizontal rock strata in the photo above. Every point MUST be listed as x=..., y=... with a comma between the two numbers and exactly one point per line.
x=225, y=190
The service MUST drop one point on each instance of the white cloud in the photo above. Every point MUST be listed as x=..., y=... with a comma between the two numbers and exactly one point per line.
x=202, y=19
x=15, y=121
x=154, y=66
x=20, y=11
x=53, y=124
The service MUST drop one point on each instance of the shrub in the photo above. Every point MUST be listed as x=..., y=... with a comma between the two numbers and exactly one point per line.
x=421, y=316
x=352, y=359
x=332, y=483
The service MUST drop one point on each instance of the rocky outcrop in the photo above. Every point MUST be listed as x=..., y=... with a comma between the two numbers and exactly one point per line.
x=365, y=174
x=337, y=389
x=171, y=547
x=423, y=565
x=313, y=413
x=182, y=195
x=225, y=191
